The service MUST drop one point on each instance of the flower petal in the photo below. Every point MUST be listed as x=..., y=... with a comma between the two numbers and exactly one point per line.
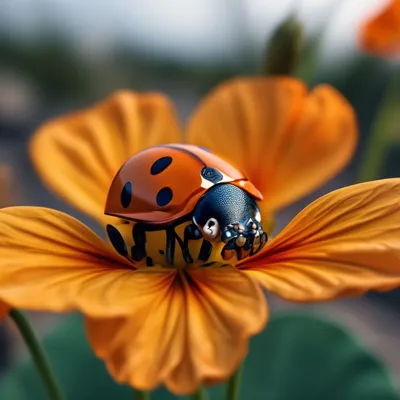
x=194, y=330
x=50, y=261
x=287, y=141
x=380, y=35
x=343, y=244
x=78, y=155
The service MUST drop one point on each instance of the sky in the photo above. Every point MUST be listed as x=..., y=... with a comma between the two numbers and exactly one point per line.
x=191, y=31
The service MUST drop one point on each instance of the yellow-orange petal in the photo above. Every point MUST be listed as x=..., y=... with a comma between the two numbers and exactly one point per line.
x=50, y=261
x=380, y=35
x=196, y=329
x=287, y=140
x=343, y=244
x=78, y=155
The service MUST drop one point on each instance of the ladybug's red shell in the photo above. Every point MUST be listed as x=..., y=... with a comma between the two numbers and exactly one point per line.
x=161, y=184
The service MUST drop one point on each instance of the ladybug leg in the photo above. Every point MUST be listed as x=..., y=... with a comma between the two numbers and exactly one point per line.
x=138, y=251
x=192, y=232
x=170, y=245
x=242, y=247
x=117, y=240
x=185, y=250
x=205, y=250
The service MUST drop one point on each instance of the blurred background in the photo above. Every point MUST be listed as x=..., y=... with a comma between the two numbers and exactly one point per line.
x=60, y=55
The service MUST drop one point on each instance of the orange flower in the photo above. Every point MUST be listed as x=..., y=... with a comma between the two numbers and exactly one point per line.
x=188, y=326
x=4, y=310
x=288, y=141
x=184, y=325
x=5, y=200
x=380, y=35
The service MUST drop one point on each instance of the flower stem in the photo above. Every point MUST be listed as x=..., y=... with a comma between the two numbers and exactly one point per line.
x=201, y=394
x=383, y=133
x=234, y=385
x=283, y=51
x=141, y=395
x=37, y=354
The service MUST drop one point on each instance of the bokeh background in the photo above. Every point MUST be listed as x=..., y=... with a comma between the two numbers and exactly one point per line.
x=60, y=55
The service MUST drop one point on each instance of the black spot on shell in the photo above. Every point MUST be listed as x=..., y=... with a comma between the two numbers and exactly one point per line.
x=117, y=240
x=162, y=252
x=160, y=165
x=126, y=194
x=164, y=196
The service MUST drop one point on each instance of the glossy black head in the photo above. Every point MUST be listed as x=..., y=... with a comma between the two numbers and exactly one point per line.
x=229, y=214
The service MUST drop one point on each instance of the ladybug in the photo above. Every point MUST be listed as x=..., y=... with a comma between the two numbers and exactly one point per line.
x=167, y=185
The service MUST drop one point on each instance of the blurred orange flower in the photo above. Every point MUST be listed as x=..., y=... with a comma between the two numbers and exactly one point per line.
x=4, y=310
x=6, y=199
x=288, y=141
x=380, y=35
x=185, y=326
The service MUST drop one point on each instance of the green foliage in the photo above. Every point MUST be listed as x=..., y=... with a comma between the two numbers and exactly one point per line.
x=296, y=357
x=51, y=64
x=304, y=357
x=283, y=50
x=384, y=134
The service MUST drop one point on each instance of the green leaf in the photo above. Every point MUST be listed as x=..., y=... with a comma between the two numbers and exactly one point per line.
x=296, y=357
x=305, y=357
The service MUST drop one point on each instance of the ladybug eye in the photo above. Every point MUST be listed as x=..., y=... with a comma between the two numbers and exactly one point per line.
x=211, y=228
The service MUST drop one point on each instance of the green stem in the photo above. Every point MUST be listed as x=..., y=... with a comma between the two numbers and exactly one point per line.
x=234, y=385
x=37, y=354
x=201, y=394
x=382, y=135
x=283, y=51
x=141, y=395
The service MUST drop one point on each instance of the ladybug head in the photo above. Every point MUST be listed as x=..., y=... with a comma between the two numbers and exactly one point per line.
x=229, y=214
